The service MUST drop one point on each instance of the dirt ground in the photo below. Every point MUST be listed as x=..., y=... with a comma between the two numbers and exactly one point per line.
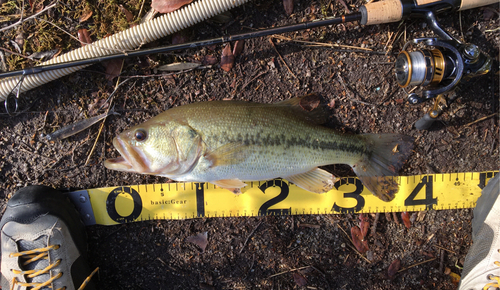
x=273, y=252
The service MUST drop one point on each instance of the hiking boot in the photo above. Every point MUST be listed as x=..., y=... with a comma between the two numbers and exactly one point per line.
x=482, y=263
x=43, y=242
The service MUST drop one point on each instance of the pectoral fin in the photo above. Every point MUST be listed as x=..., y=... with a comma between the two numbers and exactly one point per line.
x=228, y=154
x=316, y=180
x=233, y=185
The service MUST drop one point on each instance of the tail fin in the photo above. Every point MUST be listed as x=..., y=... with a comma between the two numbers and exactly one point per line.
x=376, y=169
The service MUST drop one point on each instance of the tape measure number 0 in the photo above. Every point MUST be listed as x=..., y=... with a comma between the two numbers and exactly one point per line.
x=122, y=204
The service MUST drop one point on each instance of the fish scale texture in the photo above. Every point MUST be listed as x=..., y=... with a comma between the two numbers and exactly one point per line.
x=277, y=143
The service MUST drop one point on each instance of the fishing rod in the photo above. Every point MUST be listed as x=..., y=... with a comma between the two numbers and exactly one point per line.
x=288, y=28
x=386, y=11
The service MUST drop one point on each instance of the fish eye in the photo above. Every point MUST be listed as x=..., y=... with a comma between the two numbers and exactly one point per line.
x=140, y=135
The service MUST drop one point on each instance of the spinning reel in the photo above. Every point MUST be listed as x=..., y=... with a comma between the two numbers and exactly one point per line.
x=443, y=66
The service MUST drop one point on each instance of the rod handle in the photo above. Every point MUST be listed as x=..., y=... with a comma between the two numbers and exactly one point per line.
x=469, y=4
x=385, y=11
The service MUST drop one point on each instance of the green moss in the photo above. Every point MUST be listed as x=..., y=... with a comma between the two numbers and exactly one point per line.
x=9, y=7
x=107, y=18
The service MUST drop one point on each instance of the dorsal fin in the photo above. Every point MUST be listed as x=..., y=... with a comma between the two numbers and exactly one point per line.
x=307, y=107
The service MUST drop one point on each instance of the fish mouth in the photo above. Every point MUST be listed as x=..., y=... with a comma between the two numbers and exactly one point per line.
x=129, y=161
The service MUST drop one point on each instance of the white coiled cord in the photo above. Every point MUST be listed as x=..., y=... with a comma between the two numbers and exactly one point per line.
x=122, y=42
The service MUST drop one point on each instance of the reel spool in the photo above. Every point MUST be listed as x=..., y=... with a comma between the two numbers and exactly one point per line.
x=439, y=68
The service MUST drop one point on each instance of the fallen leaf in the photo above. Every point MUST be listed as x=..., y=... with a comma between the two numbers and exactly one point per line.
x=405, y=216
x=299, y=279
x=86, y=14
x=179, y=38
x=394, y=268
x=113, y=68
x=96, y=105
x=345, y=6
x=489, y=13
x=288, y=4
x=364, y=225
x=455, y=278
x=169, y=80
x=309, y=102
x=427, y=254
x=127, y=13
x=201, y=240
x=178, y=66
x=331, y=104
x=358, y=241
x=238, y=47
x=20, y=39
x=227, y=60
x=45, y=55
x=209, y=60
x=222, y=18
x=166, y=6
x=38, y=7
x=84, y=36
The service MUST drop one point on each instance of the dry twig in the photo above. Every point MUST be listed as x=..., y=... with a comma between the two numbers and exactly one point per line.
x=480, y=119
x=417, y=264
x=31, y=17
x=247, y=83
x=118, y=84
x=444, y=249
x=251, y=234
x=332, y=45
x=289, y=271
x=341, y=80
x=274, y=46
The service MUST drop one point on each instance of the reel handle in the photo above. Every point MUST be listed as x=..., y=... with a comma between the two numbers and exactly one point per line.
x=425, y=122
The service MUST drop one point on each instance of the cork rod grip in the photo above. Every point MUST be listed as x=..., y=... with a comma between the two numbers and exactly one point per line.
x=469, y=4
x=385, y=11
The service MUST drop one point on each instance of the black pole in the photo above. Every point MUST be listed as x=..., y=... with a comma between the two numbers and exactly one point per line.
x=288, y=28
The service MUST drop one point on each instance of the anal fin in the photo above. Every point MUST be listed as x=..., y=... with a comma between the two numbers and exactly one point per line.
x=316, y=180
x=233, y=185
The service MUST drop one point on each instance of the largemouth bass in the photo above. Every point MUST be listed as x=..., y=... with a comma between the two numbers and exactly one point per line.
x=225, y=142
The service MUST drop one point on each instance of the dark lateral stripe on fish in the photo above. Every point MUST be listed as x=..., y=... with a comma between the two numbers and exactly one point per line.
x=281, y=140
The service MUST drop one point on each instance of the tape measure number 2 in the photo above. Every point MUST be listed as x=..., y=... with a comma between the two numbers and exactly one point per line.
x=122, y=204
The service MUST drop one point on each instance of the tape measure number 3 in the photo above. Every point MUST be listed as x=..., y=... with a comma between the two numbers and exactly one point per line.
x=123, y=204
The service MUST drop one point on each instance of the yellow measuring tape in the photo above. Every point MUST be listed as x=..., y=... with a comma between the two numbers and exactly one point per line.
x=121, y=204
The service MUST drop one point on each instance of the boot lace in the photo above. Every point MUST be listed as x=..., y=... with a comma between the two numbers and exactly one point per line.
x=30, y=256
x=496, y=282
